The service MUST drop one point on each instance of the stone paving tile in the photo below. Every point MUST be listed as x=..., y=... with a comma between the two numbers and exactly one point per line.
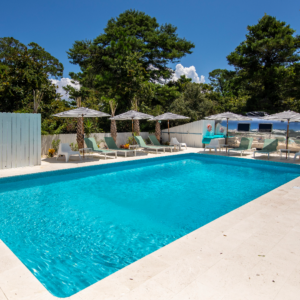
x=4, y=250
x=199, y=291
x=140, y=271
x=288, y=292
x=224, y=276
x=208, y=255
x=106, y=289
x=2, y=295
x=19, y=283
x=42, y=296
x=181, y=274
x=174, y=252
x=8, y=262
x=264, y=281
x=150, y=290
x=199, y=237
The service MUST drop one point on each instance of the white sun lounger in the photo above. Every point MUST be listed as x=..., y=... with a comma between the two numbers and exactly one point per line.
x=214, y=144
x=65, y=149
x=175, y=142
x=297, y=154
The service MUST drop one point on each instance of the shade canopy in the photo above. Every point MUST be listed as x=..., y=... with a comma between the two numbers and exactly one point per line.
x=81, y=112
x=285, y=115
x=289, y=116
x=131, y=115
x=168, y=116
x=227, y=116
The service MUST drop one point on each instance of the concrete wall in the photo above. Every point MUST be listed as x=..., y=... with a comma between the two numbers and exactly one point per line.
x=190, y=133
x=71, y=138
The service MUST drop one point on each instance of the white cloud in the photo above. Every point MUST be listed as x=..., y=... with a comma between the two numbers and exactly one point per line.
x=189, y=72
x=64, y=82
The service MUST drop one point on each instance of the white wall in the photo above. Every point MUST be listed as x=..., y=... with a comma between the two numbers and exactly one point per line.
x=20, y=140
x=190, y=133
x=71, y=138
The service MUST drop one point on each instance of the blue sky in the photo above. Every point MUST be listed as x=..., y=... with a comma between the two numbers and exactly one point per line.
x=216, y=27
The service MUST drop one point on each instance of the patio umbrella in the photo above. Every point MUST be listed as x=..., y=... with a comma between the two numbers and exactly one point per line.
x=227, y=116
x=131, y=115
x=169, y=116
x=289, y=116
x=81, y=112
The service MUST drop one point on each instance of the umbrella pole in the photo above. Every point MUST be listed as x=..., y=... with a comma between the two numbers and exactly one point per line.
x=226, y=140
x=133, y=140
x=287, y=138
x=169, y=130
x=82, y=136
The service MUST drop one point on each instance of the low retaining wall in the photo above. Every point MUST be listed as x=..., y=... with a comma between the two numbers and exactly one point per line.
x=71, y=138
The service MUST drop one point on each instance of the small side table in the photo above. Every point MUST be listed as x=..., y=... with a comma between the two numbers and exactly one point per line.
x=284, y=151
x=86, y=150
x=133, y=146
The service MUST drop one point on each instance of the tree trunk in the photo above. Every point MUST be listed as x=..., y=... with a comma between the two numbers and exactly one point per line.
x=80, y=133
x=136, y=127
x=157, y=130
x=113, y=130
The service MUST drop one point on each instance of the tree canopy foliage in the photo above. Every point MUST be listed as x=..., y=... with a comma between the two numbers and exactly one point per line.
x=134, y=49
x=267, y=64
x=129, y=65
x=24, y=73
x=24, y=69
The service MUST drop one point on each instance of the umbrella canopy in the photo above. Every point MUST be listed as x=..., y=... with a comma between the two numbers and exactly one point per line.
x=285, y=115
x=81, y=112
x=169, y=116
x=289, y=116
x=131, y=115
x=227, y=116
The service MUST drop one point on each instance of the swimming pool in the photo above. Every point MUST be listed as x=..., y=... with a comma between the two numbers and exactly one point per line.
x=72, y=228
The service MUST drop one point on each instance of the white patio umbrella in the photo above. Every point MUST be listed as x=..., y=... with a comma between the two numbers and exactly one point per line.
x=227, y=116
x=131, y=115
x=289, y=116
x=81, y=112
x=167, y=117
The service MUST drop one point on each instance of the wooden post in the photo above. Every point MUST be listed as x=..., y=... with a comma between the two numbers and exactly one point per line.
x=132, y=126
x=157, y=130
x=133, y=139
x=169, y=131
x=226, y=140
x=287, y=137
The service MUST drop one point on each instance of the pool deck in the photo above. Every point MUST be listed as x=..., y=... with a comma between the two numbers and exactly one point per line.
x=252, y=253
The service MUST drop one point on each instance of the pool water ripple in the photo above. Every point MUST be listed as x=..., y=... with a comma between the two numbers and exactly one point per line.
x=74, y=229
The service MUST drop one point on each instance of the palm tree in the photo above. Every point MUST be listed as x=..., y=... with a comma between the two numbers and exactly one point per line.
x=113, y=125
x=157, y=130
x=37, y=98
x=156, y=112
x=136, y=123
x=80, y=127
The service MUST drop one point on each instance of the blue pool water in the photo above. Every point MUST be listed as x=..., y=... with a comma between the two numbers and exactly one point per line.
x=72, y=228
